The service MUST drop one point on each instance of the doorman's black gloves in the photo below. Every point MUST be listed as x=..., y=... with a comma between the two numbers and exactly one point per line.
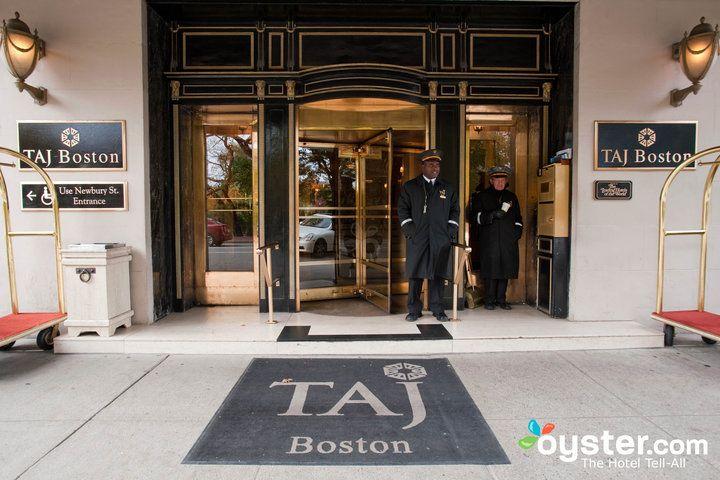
x=498, y=213
x=408, y=229
x=452, y=230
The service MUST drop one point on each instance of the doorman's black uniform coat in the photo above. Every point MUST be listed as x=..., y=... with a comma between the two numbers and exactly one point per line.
x=429, y=235
x=497, y=237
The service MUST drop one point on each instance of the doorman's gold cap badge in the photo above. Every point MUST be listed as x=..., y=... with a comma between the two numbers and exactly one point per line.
x=434, y=154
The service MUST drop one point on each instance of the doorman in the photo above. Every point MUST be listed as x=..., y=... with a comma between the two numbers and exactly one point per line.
x=428, y=210
x=497, y=212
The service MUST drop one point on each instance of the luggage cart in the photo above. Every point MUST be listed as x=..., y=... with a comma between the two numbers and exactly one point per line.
x=700, y=321
x=20, y=324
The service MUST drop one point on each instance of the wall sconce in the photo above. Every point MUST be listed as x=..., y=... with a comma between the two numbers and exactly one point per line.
x=22, y=50
x=695, y=52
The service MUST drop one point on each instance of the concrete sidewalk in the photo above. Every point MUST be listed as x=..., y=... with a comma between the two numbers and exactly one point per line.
x=136, y=416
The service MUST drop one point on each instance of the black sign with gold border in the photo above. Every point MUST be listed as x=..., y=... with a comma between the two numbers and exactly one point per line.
x=613, y=189
x=639, y=145
x=83, y=196
x=79, y=145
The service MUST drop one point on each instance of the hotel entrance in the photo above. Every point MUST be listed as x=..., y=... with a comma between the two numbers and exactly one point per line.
x=353, y=156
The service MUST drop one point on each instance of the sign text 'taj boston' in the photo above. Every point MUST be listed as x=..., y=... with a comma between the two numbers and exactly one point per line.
x=643, y=145
x=94, y=145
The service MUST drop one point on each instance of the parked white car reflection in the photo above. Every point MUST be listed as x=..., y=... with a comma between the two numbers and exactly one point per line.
x=317, y=235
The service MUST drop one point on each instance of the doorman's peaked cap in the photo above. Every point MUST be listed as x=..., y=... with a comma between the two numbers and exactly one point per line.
x=432, y=154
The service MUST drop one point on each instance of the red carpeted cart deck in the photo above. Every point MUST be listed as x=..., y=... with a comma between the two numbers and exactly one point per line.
x=705, y=324
x=17, y=325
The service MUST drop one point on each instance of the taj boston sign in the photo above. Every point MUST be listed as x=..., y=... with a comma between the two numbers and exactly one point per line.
x=348, y=411
x=77, y=145
x=643, y=145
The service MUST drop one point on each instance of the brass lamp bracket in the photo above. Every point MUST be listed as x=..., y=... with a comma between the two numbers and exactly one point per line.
x=678, y=95
x=39, y=94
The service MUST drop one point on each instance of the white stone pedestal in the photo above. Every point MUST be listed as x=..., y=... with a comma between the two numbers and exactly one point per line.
x=101, y=302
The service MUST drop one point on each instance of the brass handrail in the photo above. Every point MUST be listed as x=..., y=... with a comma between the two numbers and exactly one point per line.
x=702, y=231
x=460, y=264
x=9, y=233
x=265, y=252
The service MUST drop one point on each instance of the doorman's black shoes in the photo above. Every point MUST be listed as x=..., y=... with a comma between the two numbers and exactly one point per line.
x=412, y=317
x=489, y=306
x=441, y=317
x=504, y=306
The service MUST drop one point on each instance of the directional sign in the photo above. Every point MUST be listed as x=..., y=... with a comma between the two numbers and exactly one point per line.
x=76, y=196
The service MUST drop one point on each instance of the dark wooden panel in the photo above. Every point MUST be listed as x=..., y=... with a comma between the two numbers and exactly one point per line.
x=447, y=139
x=509, y=91
x=512, y=52
x=561, y=103
x=447, y=51
x=190, y=90
x=276, y=53
x=328, y=48
x=160, y=167
x=277, y=210
x=218, y=50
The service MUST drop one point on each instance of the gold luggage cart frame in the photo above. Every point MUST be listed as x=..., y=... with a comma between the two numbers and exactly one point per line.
x=17, y=324
x=700, y=321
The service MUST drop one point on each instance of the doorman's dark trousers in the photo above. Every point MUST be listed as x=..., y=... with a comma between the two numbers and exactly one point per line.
x=495, y=289
x=435, y=289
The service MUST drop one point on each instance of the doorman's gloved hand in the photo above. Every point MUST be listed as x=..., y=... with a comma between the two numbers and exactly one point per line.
x=498, y=213
x=452, y=230
x=518, y=230
x=409, y=229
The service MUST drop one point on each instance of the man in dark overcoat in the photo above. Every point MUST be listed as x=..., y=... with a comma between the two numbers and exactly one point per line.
x=428, y=209
x=497, y=212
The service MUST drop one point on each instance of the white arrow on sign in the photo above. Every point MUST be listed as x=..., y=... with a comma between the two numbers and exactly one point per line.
x=31, y=196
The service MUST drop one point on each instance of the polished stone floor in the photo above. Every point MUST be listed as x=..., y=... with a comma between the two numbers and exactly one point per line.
x=135, y=416
x=242, y=330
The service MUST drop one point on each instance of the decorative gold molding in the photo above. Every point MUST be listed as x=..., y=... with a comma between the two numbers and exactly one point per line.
x=463, y=90
x=432, y=89
x=546, y=89
x=290, y=86
x=260, y=88
x=175, y=90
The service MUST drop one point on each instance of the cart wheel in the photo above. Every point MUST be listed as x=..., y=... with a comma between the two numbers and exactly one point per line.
x=8, y=346
x=45, y=338
x=669, y=335
x=709, y=341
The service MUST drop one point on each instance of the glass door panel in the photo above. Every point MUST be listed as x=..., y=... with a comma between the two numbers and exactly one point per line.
x=327, y=228
x=375, y=167
x=229, y=199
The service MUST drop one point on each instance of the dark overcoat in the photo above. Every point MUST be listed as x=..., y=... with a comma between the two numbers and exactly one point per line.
x=428, y=234
x=497, y=238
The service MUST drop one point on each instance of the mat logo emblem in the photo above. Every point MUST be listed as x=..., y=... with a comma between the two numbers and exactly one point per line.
x=400, y=371
x=534, y=428
x=404, y=371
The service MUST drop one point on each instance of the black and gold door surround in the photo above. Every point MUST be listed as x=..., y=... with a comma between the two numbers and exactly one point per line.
x=277, y=56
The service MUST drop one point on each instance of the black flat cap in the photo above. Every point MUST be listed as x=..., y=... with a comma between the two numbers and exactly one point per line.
x=434, y=154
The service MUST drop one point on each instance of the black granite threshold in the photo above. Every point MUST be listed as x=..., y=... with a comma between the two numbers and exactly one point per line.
x=301, y=333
